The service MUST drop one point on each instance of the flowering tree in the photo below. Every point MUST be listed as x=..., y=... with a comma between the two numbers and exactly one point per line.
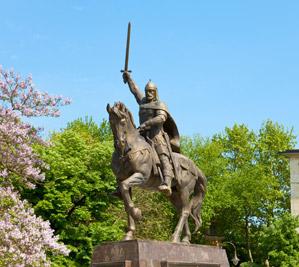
x=18, y=163
x=24, y=238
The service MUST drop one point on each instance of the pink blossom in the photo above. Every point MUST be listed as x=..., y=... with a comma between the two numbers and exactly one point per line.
x=24, y=238
x=22, y=85
x=3, y=173
x=17, y=157
x=22, y=96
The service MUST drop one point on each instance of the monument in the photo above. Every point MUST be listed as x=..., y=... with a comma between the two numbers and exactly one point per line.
x=149, y=157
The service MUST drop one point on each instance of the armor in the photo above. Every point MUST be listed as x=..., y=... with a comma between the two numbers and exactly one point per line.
x=153, y=116
x=148, y=111
x=155, y=122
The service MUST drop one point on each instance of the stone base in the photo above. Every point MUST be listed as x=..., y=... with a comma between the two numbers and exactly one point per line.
x=142, y=253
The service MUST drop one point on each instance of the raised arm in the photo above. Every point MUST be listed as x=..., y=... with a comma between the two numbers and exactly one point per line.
x=133, y=87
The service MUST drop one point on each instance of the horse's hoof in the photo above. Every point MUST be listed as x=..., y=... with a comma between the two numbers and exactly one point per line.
x=166, y=190
x=186, y=240
x=136, y=213
x=128, y=236
x=175, y=240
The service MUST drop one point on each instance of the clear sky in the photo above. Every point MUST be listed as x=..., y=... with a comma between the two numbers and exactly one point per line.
x=216, y=63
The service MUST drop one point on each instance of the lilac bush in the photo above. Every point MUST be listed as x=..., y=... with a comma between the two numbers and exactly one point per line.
x=18, y=162
x=18, y=97
x=21, y=95
x=24, y=238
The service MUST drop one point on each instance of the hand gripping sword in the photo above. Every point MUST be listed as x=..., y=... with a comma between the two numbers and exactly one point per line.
x=126, y=68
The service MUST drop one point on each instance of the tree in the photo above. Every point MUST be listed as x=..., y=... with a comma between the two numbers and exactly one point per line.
x=247, y=181
x=24, y=238
x=19, y=165
x=279, y=242
x=76, y=194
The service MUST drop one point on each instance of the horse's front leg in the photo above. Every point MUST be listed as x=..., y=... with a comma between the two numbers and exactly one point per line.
x=131, y=228
x=186, y=233
x=134, y=180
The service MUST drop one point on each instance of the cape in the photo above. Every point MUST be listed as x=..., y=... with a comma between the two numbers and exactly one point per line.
x=169, y=125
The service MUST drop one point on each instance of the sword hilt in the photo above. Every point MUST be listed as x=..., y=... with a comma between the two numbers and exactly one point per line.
x=123, y=71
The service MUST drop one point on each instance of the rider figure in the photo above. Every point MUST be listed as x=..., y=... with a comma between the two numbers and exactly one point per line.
x=156, y=123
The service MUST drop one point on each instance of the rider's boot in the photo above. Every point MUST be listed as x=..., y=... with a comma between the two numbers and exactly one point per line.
x=165, y=187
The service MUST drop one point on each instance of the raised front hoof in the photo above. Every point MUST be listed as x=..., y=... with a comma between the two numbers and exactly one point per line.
x=136, y=213
x=166, y=190
x=128, y=236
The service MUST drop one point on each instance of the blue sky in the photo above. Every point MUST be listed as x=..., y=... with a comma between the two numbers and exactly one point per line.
x=216, y=63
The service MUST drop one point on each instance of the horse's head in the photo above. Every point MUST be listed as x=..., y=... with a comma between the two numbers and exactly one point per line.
x=121, y=122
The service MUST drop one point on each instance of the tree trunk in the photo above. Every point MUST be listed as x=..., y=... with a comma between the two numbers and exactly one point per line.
x=247, y=233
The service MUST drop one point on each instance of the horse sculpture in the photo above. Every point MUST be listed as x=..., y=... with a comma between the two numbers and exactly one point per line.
x=133, y=165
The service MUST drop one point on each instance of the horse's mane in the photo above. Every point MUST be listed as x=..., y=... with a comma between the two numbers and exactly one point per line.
x=123, y=109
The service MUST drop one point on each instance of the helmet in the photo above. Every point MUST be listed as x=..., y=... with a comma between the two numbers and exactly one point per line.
x=150, y=85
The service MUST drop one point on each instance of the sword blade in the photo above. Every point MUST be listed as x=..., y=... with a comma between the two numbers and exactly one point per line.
x=128, y=48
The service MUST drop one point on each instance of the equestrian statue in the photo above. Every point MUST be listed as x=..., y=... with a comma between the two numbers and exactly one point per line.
x=149, y=157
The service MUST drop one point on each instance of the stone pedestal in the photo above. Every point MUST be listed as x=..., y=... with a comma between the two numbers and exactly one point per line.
x=141, y=253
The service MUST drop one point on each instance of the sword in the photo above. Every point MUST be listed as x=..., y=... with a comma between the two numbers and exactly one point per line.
x=126, y=68
x=154, y=151
x=165, y=135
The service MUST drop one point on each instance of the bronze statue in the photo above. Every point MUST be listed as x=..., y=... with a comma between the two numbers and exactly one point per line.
x=156, y=125
x=133, y=165
x=149, y=157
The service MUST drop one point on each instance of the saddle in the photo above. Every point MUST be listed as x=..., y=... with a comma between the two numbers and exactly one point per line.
x=182, y=164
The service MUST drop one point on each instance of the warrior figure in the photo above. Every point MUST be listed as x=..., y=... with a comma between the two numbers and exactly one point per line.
x=157, y=125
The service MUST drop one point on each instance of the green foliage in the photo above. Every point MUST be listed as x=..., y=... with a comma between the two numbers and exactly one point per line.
x=76, y=195
x=158, y=220
x=279, y=242
x=248, y=181
x=248, y=187
x=250, y=264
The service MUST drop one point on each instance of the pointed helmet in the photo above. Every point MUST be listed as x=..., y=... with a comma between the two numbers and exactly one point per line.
x=150, y=85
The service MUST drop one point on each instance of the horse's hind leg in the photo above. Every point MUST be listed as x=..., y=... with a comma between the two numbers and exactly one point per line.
x=186, y=230
x=182, y=200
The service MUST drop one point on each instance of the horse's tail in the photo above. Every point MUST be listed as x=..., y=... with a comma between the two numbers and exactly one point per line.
x=198, y=196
